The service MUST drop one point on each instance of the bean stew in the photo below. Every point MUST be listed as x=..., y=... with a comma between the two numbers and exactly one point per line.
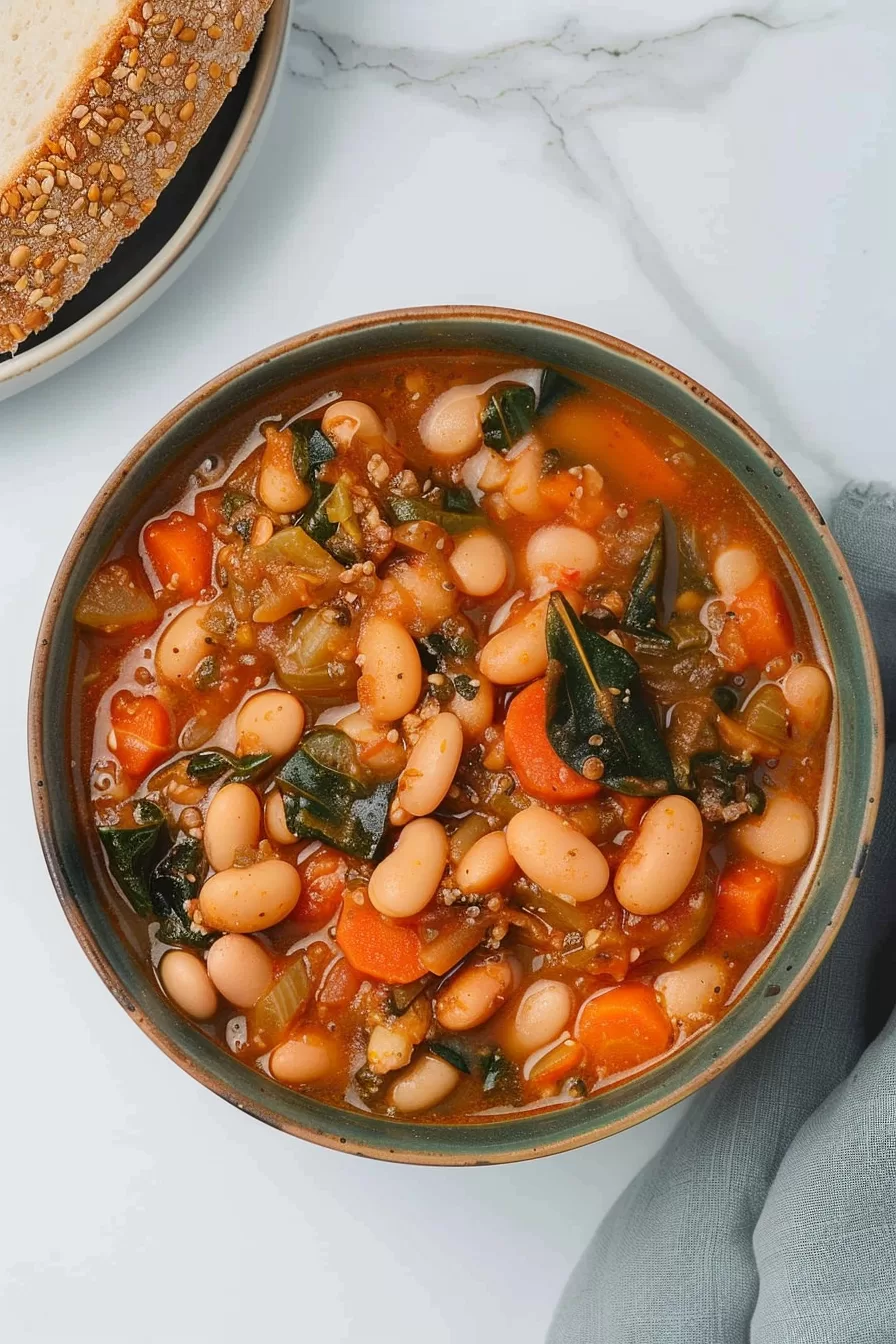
x=455, y=735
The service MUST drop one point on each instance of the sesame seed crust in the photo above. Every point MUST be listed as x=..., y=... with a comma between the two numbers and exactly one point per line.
x=118, y=137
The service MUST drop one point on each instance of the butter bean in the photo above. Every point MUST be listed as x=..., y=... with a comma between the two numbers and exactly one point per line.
x=541, y=1015
x=486, y=866
x=306, y=1058
x=275, y=827
x=272, y=721
x=185, y=981
x=344, y=421
x=807, y=690
x=428, y=1081
x=451, y=429
x=406, y=881
x=479, y=564
x=240, y=969
x=244, y=900
x=734, y=569
x=476, y=993
x=518, y=653
x=784, y=834
x=392, y=673
x=232, y=823
x=183, y=644
x=663, y=859
x=554, y=855
x=695, y=988
x=563, y=555
x=431, y=766
x=477, y=714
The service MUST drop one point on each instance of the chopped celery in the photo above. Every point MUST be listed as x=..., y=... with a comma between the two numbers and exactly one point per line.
x=275, y=1010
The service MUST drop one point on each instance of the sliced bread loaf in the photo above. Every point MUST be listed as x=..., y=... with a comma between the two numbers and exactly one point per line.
x=100, y=103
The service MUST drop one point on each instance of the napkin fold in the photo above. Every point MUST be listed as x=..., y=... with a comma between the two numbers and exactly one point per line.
x=770, y=1214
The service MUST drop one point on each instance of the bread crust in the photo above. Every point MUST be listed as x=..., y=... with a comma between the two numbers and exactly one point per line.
x=118, y=136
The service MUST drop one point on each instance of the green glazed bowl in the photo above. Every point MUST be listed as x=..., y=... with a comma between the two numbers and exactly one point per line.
x=848, y=806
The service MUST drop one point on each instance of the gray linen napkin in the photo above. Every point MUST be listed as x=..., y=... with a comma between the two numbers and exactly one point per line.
x=770, y=1214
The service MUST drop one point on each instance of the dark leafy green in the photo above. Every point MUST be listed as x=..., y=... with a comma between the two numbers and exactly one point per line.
x=450, y=1053
x=452, y=640
x=176, y=879
x=465, y=687
x=596, y=708
x=311, y=448
x=554, y=387
x=207, y=674
x=233, y=501
x=498, y=1073
x=641, y=614
x=724, y=788
x=327, y=797
x=314, y=519
x=402, y=996
x=405, y=510
x=214, y=762
x=508, y=415
x=458, y=499
x=133, y=851
x=693, y=571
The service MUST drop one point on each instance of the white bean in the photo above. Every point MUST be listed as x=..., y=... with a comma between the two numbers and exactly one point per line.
x=431, y=766
x=427, y=1082
x=406, y=881
x=518, y=653
x=392, y=673
x=428, y=595
x=522, y=490
x=306, y=1058
x=694, y=988
x=563, y=555
x=232, y=823
x=451, y=427
x=279, y=486
x=734, y=569
x=556, y=856
x=783, y=834
x=541, y=1015
x=184, y=979
x=344, y=421
x=245, y=900
x=275, y=826
x=477, y=714
x=475, y=994
x=479, y=564
x=272, y=721
x=663, y=859
x=388, y=1050
x=486, y=866
x=807, y=690
x=183, y=644
x=240, y=969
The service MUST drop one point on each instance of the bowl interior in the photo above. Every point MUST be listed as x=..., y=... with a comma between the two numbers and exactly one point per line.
x=84, y=887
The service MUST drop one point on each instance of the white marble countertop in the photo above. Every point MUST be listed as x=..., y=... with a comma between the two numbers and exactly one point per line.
x=716, y=187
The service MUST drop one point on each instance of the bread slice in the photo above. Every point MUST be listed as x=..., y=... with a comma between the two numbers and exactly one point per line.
x=100, y=103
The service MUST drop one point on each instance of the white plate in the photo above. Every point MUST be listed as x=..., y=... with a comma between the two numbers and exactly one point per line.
x=189, y=210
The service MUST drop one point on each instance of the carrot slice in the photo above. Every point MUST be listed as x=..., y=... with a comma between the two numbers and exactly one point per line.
x=207, y=508
x=624, y=1027
x=180, y=549
x=539, y=769
x=745, y=899
x=556, y=1064
x=141, y=732
x=323, y=887
x=761, y=628
x=623, y=453
x=377, y=946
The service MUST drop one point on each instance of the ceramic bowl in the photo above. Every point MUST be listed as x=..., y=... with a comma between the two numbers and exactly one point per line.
x=848, y=807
